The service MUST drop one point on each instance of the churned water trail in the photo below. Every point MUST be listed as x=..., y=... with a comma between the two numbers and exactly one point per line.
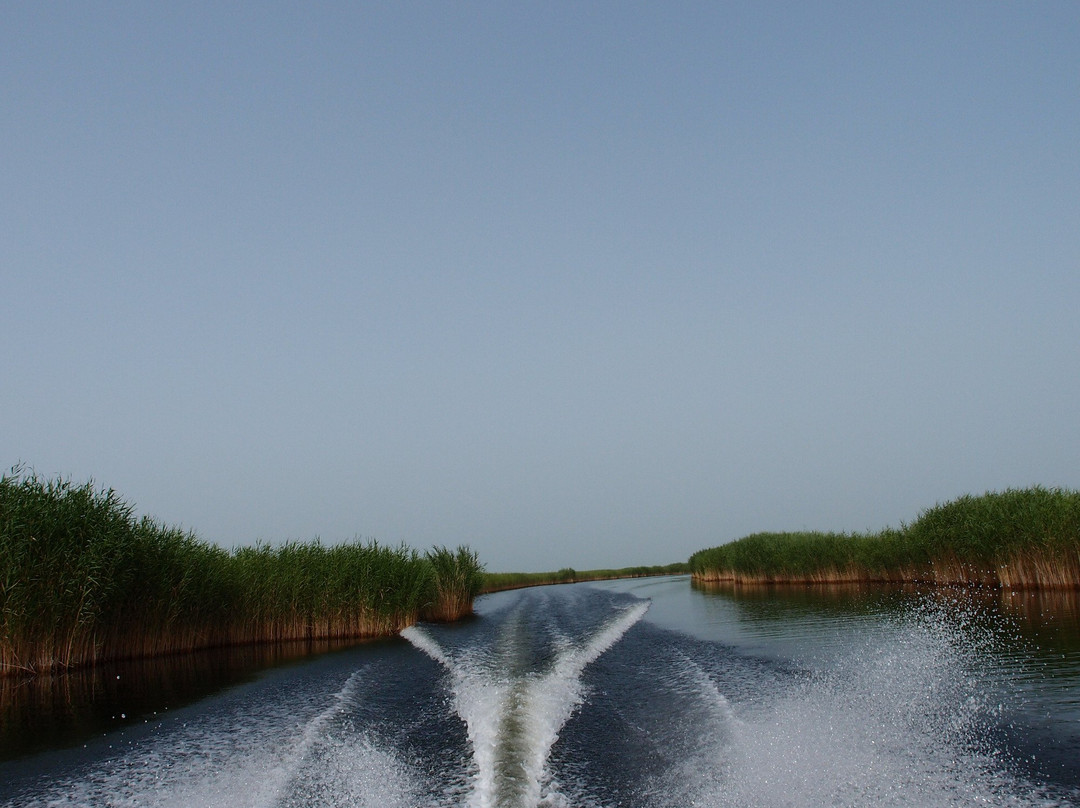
x=249, y=753
x=514, y=711
x=643, y=694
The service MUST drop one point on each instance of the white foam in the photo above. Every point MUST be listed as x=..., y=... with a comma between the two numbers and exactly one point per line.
x=426, y=643
x=513, y=722
x=897, y=724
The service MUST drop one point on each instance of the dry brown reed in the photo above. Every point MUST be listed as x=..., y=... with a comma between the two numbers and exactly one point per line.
x=1032, y=571
x=1041, y=569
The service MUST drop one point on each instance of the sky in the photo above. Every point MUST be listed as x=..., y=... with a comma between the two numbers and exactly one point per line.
x=576, y=284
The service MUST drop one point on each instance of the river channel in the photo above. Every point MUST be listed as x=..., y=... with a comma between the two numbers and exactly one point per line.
x=648, y=692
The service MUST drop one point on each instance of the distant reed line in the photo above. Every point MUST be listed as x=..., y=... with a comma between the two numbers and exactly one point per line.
x=1018, y=538
x=500, y=581
x=82, y=580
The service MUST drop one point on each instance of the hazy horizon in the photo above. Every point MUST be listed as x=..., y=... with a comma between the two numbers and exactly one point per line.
x=586, y=285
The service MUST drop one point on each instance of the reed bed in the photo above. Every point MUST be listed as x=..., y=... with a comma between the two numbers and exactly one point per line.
x=458, y=578
x=83, y=580
x=1018, y=538
x=499, y=581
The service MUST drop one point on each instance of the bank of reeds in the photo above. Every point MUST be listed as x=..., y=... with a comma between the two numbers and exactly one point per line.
x=83, y=580
x=1018, y=538
x=458, y=578
x=499, y=581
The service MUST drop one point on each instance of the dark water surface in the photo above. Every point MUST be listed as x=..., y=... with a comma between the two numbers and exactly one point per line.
x=72, y=708
x=645, y=693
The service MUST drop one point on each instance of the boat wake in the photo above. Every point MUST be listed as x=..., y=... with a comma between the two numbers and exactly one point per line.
x=514, y=712
x=277, y=753
x=569, y=699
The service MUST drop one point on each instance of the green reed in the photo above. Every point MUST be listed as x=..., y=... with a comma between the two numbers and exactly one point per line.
x=82, y=579
x=458, y=579
x=1019, y=537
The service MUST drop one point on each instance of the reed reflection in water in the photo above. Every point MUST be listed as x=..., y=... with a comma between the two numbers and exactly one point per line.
x=67, y=709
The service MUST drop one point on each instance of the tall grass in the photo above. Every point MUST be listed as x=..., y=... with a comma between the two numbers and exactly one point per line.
x=1020, y=538
x=83, y=580
x=458, y=578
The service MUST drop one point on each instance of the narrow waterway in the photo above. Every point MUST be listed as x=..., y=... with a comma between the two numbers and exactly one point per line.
x=647, y=693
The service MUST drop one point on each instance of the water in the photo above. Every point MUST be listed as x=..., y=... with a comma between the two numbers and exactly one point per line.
x=49, y=712
x=628, y=693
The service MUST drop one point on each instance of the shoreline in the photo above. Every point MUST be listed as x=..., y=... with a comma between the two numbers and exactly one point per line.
x=1015, y=539
x=583, y=578
x=375, y=630
x=1037, y=571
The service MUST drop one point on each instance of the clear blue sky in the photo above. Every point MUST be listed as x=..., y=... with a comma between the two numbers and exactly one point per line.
x=578, y=284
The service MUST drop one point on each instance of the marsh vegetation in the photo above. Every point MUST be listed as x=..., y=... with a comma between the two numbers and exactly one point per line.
x=82, y=580
x=500, y=581
x=1018, y=538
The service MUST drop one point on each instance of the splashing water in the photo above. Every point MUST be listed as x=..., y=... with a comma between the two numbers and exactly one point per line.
x=514, y=720
x=899, y=720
